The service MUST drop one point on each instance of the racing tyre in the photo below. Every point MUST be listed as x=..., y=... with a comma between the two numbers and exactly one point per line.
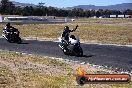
x=19, y=40
x=80, y=80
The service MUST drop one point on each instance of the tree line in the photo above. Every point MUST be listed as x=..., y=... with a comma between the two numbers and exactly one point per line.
x=8, y=8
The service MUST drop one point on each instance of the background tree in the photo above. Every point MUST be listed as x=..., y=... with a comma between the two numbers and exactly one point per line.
x=7, y=7
x=92, y=13
x=87, y=13
x=28, y=11
x=128, y=12
x=98, y=14
x=18, y=11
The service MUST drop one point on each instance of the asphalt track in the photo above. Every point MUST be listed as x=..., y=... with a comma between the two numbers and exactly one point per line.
x=35, y=22
x=52, y=22
x=119, y=57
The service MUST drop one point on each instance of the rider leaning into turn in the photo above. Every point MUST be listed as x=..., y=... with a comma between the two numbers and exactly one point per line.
x=66, y=32
x=65, y=35
x=8, y=26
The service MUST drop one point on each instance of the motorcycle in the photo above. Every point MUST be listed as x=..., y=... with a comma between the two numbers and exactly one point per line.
x=12, y=35
x=72, y=47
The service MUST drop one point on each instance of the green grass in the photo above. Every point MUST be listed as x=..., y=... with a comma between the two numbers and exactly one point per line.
x=129, y=85
x=101, y=72
x=12, y=56
x=7, y=78
x=33, y=78
x=110, y=20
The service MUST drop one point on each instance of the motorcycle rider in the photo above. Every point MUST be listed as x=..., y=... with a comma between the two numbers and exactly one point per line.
x=65, y=36
x=9, y=27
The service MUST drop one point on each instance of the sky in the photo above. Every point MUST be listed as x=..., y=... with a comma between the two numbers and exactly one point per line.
x=70, y=3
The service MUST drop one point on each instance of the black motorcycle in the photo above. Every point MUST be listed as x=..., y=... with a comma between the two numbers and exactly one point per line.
x=12, y=35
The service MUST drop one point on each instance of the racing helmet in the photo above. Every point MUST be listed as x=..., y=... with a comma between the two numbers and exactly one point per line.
x=66, y=28
x=8, y=24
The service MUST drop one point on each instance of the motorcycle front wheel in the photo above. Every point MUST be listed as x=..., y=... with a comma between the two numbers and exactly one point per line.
x=19, y=41
x=79, y=52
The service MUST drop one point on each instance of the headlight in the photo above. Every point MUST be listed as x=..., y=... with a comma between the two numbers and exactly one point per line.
x=7, y=32
x=16, y=32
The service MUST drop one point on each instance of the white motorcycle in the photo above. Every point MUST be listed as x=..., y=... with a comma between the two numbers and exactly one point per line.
x=72, y=46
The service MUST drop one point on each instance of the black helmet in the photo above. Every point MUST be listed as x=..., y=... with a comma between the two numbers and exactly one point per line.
x=66, y=28
x=8, y=24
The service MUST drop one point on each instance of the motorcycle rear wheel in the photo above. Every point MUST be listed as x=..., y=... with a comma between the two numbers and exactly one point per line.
x=19, y=41
x=79, y=52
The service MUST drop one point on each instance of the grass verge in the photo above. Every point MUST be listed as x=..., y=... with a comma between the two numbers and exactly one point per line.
x=118, y=31
x=26, y=71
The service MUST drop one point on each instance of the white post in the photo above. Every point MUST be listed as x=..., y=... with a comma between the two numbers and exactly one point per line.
x=0, y=18
x=65, y=19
